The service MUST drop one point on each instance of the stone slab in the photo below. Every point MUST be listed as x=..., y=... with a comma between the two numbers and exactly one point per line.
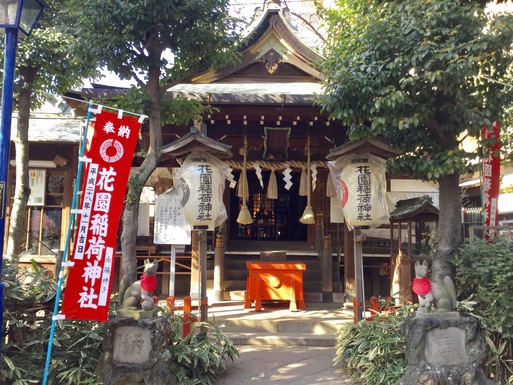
x=132, y=345
x=442, y=348
x=445, y=347
x=134, y=352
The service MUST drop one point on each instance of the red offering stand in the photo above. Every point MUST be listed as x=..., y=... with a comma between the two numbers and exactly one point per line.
x=275, y=281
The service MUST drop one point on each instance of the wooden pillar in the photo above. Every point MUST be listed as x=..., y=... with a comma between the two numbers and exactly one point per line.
x=401, y=268
x=349, y=277
x=194, y=265
x=358, y=239
x=327, y=271
x=406, y=278
x=219, y=268
x=202, y=267
x=319, y=233
x=396, y=267
x=405, y=269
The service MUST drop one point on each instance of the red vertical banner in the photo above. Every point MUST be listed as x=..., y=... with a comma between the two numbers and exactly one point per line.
x=490, y=184
x=107, y=163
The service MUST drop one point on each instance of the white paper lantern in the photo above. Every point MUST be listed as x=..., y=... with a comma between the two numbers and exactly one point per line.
x=201, y=181
x=362, y=190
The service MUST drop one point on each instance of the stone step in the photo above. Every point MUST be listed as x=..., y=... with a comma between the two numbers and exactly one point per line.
x=234, y=295
x=312, y=296
x=282, y=339
x=276, y=325
x=280, y=326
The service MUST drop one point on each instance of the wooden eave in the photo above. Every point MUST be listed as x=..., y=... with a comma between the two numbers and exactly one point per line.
x=273, y=32
x=274, y=20
x=366, y=145
x=414, y=209
x=215, y=95
x=103, y=92
x=196, y=141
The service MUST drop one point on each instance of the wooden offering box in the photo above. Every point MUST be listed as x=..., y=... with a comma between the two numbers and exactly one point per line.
x=275, y=281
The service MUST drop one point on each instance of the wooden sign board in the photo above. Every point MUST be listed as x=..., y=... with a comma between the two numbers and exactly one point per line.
x=336, y=213
x=170, y=227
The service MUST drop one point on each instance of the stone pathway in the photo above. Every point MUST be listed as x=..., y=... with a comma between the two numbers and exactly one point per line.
x=284, y=365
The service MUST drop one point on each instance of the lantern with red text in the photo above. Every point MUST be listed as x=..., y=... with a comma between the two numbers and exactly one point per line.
x=200, y=182
x=359, y=181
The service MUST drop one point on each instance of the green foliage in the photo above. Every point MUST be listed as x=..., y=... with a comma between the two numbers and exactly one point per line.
x=177, y=110
x=196, y=359
x=484, y=272
x=28, y=308
x=44, y=61
x=416, y=73
x=485, y=276
x=507, y=134
x=158, y=44
x=130, y=38
x=422, y=75
x=373, y=351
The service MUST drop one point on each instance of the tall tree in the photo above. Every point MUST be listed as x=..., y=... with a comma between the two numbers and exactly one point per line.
x=422, y=74
x=44, y=66
x=157, y=43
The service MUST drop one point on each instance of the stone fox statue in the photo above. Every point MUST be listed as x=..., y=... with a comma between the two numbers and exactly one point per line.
x=136, y=295
x=441, y=295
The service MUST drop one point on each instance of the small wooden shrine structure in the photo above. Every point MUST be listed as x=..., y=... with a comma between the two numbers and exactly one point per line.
x=411, y=225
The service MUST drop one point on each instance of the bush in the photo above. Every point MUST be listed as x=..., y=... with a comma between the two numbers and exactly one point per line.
x=202, y=355
x=196, y=359
x=485, y=278
x=373, y=351
x=29, y=304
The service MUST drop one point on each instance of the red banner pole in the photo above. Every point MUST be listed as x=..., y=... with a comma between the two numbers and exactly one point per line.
x=490, y=184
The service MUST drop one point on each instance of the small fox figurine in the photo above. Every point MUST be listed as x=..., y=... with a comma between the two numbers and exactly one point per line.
x=441, y=295
x=137, y=295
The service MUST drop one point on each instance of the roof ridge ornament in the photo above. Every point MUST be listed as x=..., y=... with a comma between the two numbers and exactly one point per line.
x=272, y=4
x=271, y=60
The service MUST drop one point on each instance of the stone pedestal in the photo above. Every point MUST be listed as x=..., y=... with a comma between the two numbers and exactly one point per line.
x=133, y=353
x=444, y=349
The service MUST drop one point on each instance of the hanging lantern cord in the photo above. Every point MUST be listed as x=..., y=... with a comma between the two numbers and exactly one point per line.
x=308, y=215
x=308, y=174
x=244, y=217
x=244, y=177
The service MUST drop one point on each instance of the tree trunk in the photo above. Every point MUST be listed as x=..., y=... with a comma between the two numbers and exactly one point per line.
x=131, y=213
x=449, y=227
x=129, y=235
x=18, y=221
x=140, y=176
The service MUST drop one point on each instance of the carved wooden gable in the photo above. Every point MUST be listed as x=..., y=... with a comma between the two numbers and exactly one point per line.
x=274, y=54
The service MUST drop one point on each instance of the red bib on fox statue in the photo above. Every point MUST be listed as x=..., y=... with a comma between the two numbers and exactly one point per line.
x=421, y=286
x=149, y=282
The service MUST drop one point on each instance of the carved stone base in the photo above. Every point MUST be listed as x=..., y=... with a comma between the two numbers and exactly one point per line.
x=444, y=349
x=133, y=353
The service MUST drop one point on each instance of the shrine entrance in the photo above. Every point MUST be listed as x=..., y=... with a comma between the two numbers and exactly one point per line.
x=273, y=219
